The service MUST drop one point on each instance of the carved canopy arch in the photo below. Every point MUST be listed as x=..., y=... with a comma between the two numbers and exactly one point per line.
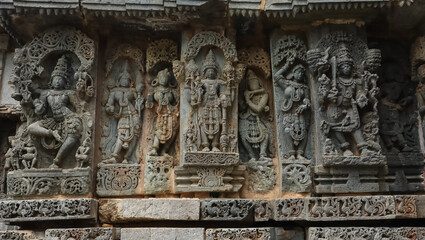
x=288, y=48
x=255, y=58
x=125, y=51
x=53, y=40
x=163, y=50
x=209, y=38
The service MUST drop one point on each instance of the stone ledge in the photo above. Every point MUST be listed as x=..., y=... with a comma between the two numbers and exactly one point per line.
x=48, y=210
x=126, y=210
x=162, y=233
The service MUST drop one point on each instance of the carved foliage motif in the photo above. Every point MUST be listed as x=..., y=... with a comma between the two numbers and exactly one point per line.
x=117, y=179
x=366, y=233
x=289, y=208
x=80, y=234
x=296, y=177
x=17, y=235
x=28, y=210
x=232, y=209
x=158, y=173
x=406, y=205
x=238, y=233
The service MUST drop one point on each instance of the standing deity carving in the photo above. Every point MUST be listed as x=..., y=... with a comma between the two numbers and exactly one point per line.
x=209, y=79
x=53, y=84
x=417, y=59
x=347, y=92
x=292, y=110
x=123, y=107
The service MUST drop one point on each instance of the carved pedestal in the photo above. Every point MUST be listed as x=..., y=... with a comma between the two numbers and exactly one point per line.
x=117, y=179
x=44, y=182
x=405, y=172
x=158, y=174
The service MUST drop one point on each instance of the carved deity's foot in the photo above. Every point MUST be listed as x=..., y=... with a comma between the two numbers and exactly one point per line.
x=124, y=161
x=153, y=152
x=57, y=136
x=348, y=153
x=406, y=148
x=53, y=166
x=302, y=158
x=215, y=149
x=394, y=150
x=109, y=161
x=206, y=149
x=292, y=158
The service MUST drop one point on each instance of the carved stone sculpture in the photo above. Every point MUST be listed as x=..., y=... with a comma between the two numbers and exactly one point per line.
x=123, y=104
x=255, y=128
x=209, y=80
x=345, y=90
x=292, y=110
x=163, y=98
x=53, y=84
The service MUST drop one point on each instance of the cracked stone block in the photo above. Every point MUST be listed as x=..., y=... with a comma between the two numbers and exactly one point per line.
x=162, y=234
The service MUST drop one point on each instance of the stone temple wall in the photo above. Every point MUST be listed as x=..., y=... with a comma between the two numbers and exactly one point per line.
x=196, y=119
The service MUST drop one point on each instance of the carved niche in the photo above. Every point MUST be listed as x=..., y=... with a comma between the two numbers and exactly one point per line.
x=123, y=104
x=398, y=121
x=52, y=150
x=347, y=123
x=209, y=79
x=292, y=98
x=256, y=138
x=162, y=116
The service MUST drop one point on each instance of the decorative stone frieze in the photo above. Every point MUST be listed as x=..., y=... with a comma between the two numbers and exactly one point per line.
x=238, y=233
x=80, y=233
x=117, y=179
x=48, y=210
x=227, y=209
x=17, y=235
x=367, y=233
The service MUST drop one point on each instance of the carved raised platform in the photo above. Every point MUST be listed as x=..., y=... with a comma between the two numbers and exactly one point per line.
x=117, y=179
x=43, y=182
x=212, y=159
x=405, y=172
x=209, y=179
x=374, y=160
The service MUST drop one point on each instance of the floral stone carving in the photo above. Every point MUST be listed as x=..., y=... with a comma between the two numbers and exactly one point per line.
x=117, y=179
x=53, y=83
x=163, y=99
x=238, y=233
x=209, y=78
x=345, y=89
x=17, y=235
x=256, y=143
x=292, y=91
x=80, y=233
x=227, y=209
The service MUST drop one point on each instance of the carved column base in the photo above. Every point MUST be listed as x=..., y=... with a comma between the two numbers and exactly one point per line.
x=157, y=174
x=405, y=172
x=296, y=177
x=349, y=179
x=209, y=179
x=42, y=182
x=117, y=179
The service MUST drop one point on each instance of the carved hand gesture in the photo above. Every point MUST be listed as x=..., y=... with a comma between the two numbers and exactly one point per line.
x=38, y=104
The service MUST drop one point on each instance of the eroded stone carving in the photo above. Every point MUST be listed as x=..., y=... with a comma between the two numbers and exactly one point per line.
x=288, y=208
x=80, y=233
x=209, y=84
x=345, y=90
x=164, y=99
x=238, y=233
x=53, y=84
x=255, y=129
x=47, y=209
x=17, y=235
x=367, y=233
x=227, y=209
x=124, y=105
x=292, y=94
x=117, y=179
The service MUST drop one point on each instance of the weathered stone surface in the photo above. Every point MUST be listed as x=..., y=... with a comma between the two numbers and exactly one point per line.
x=162, y=234
x=17, y=235
x=48, y=210
x=42, y=182
x=117, y=179
x=227, y=209
x=80, y=233
x=238, y=233
x=367, y=233
x=263, y=210
x=127, y=210
x=158, y=174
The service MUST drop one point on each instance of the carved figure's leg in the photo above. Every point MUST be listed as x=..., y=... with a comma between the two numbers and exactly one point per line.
x=204, y=142
x=166, y=148
x=67, y=145
x=129, y=153
x=403, y=143
x=290, y=146
x=216, y=143
x=248, y=148
x=155, y=146
x=263, y=146
x=301, y=148
x=344, y=144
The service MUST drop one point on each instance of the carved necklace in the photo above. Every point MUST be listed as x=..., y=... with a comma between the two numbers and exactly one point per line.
x=346, y=81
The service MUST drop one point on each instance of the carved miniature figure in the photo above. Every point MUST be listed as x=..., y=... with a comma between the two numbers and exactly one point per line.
x=217, y=96
x=82, y=153
x=165, y=94
x=254, y=127
x=61, y=127
x=291, y=79
x=30, y=156
x=125, y=105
